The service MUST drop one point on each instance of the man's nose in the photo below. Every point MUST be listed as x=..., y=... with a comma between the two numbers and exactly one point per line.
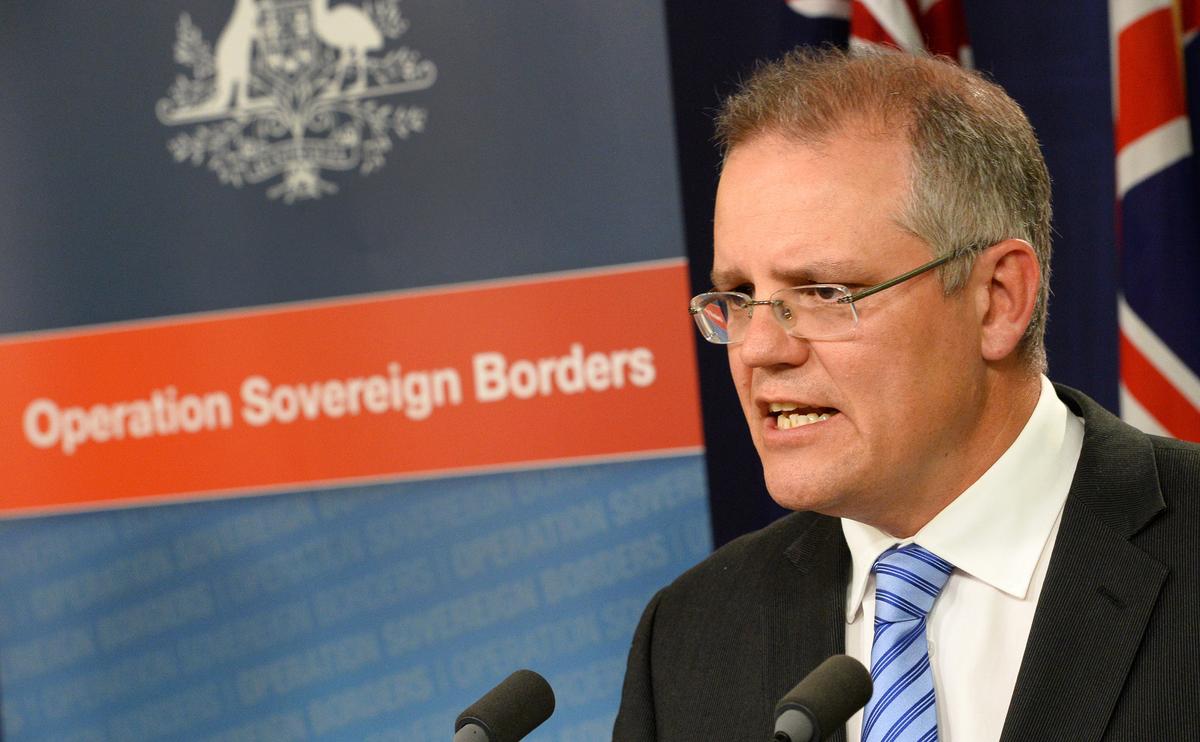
x=767, y=343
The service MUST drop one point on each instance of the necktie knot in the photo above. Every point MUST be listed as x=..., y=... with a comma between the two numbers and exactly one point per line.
x=908, y=580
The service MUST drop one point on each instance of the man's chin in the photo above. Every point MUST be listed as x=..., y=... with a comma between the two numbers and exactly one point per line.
x=815, y=498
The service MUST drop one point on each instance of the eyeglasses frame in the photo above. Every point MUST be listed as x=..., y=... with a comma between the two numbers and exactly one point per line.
x=864, y=293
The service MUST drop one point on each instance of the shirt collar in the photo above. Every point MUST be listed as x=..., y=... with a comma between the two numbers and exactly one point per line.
x=997, y=528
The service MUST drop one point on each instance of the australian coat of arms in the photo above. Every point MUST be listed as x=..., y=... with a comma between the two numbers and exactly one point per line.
x=293, y=88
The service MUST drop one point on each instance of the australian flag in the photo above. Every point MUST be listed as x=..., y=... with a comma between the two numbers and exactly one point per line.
x=1156, y=97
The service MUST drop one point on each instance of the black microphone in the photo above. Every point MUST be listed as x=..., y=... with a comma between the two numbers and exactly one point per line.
x=507, y=712
x=823, y=700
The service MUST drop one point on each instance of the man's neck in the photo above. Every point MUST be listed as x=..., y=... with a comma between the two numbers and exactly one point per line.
x=1006, y=407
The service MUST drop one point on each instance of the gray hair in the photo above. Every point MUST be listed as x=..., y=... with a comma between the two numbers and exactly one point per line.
x=978, y=176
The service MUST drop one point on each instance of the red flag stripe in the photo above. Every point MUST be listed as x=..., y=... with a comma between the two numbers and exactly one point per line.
x=1155, y=393
x=1190, y=11
x=1150, y=83
x=937, y=27
x=864, y=26
x=944, y=27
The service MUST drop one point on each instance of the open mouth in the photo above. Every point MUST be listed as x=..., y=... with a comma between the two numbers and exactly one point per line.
x=789, y=415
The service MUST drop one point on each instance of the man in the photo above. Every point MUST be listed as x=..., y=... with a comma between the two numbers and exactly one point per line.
x=880, y=273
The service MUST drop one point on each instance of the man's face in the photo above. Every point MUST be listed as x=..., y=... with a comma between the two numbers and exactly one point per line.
x=903, y=392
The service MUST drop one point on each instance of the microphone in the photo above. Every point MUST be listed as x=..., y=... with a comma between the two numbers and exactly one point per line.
x=823, y=700
x=507, y=712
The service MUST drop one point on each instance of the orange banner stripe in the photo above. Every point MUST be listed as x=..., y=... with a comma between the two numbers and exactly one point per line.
x=575, y=366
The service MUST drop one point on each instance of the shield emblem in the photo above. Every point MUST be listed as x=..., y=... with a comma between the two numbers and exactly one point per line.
x=287, y=50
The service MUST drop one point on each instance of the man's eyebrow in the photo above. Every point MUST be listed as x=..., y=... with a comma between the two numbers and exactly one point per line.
x=723, y=277
x=808, y=272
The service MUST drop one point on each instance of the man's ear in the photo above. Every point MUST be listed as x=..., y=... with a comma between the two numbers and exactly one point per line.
x=1006, y=276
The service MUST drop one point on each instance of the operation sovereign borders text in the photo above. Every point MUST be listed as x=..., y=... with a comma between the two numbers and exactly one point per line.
x=166, y=412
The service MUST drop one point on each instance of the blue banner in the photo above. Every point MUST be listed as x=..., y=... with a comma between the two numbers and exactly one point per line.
x=315, y=427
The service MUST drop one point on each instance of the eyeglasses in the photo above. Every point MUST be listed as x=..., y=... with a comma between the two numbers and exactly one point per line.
x=819, y=311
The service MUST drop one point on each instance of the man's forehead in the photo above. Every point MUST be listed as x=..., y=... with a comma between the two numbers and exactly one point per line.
x=861, y=130
x=785, y=190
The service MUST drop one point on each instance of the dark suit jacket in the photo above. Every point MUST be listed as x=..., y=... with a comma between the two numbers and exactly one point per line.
x=1113, y=653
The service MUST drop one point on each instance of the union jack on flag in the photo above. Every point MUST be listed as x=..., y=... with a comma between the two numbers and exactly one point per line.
x=1155, y=96
x=928, y=26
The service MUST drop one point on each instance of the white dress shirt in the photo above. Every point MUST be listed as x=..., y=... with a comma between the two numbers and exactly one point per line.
x=998, y=534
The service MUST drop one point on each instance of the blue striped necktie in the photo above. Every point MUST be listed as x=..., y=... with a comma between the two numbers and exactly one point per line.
x=907, y=581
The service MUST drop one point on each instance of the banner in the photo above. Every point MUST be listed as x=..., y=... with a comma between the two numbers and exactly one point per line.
x=407, y=385
x=347, y=364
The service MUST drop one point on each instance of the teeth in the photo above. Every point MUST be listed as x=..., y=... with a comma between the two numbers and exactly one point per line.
x=787, y=422
x=783, y=406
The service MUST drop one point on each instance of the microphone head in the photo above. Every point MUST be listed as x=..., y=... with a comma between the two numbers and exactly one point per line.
x=830, y=694
x=512, y=709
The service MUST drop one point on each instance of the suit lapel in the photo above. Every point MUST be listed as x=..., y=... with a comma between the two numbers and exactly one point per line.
x=1099, y=591
x=805, y=624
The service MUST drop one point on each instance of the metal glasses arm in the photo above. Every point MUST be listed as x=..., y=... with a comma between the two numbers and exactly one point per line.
x=904, y=276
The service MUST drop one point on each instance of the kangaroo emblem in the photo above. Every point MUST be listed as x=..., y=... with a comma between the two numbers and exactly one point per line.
x=231, y=60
